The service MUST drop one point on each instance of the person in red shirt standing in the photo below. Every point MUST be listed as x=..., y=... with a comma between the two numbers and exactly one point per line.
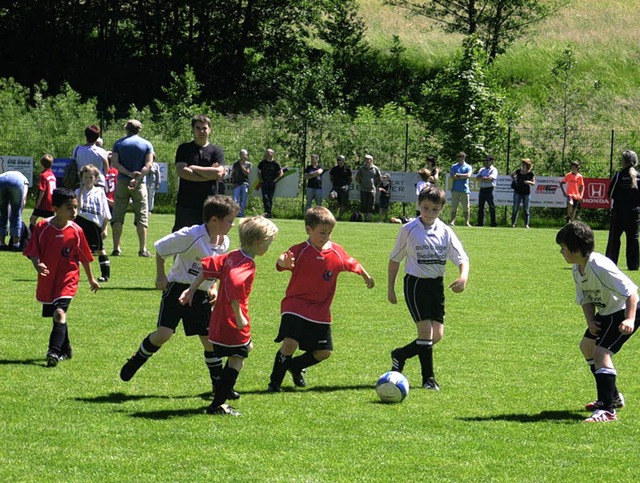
x=229, y=325
x=306, y=307
x=46, y=184
x=56, y=247
x=572, y=186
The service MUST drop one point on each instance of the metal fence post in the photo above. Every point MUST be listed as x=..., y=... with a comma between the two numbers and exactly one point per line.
x=611, y=153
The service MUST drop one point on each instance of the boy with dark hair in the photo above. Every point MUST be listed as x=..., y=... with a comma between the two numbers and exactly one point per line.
x=426, y=243
x=229, y=328
x=187, y=247
x=306, y=307
x=56, y=247
x=572, y=186
x=609, y=302
x=46, y=184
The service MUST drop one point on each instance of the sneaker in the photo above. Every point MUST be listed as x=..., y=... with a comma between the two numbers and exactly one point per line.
x=431, y=384
x=116, y=253
x=52, y=359
x=144, y=253
x=273, y=388
x=397, y=364
x=223, y=410
x=103, y=279
x=617, y=403
x=602, y=416
x=298, y=378
x=66, y=353
x=131, y=367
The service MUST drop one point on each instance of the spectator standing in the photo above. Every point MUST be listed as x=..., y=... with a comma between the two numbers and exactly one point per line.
x=572, y=186
x=13, y=195
x=341, y=178
x=153, y=183
x=313, y=176
x=92, y=153
x=46, y=184
x=523, y=180
x=199, y=166
x=240, y=178
x=625, y=214
x=368, y=177
x=269, y=172
x=460, y=174
x=132, y=157
x=433, y=169
x=487, y=176
x=384, y=197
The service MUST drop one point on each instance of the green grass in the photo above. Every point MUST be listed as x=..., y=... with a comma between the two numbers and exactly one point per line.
x=513, y=381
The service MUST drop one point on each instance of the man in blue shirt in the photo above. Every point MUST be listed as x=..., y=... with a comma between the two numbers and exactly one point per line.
x=460, y=174
x=132, y=157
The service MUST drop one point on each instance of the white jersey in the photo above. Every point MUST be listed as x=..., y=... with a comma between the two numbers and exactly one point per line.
x=427, y=248
x=93, y=205
x=189, y=245
x=603, y=285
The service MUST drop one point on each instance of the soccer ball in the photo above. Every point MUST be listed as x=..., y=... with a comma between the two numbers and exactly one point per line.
x=392, y=387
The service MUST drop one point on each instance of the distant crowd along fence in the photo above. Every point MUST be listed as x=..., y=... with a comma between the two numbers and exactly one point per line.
x=546, y=193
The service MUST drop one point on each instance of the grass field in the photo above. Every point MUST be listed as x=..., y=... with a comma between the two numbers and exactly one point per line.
x=513, y=381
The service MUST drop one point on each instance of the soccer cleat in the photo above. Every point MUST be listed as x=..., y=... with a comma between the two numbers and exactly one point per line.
x=223, y=410
x=617, y=403
x=431, y=384
x=397, y=363
x=273, y=388
x=116, y=253
x=233, y=395
x=67, y=353
x=602, y=416
x=298, y=378
x=103, y=279
x=131, y=367
x=144, y=253
x=52, y=359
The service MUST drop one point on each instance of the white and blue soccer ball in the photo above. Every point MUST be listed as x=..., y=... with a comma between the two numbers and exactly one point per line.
x=392, y=387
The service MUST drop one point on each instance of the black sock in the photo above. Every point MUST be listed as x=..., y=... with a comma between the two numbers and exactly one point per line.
x=66, y=345
x=425, y=354
x=303, y=361
x=214, y=364
x=592, y=366
x=408, y=351
x=280, y=366
x=105, y=266
x=606, y=384
x=57, y=337
x=147, y=349
x=224, y=386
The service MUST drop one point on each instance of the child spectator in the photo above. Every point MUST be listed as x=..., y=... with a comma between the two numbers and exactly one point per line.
x=306, y=307
x=426, y=243
x=46, y=185
x=384, y=197
x=229, y=328
x=93, y=216
x=574, y=183
x=609, y=302
x=187, y=247
x=426, y=179
x=153, y=183
x=58, y=275
x=111, y=178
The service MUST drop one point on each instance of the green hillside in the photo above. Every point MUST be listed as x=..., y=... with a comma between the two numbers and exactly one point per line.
x=604, y=35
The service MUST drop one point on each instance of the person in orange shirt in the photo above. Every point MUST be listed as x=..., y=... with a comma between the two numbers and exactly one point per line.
x=572, y=186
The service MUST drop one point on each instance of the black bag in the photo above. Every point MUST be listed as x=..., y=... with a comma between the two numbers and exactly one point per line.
x=70, y=179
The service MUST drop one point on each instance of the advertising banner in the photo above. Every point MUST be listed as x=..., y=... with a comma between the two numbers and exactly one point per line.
x=24, y=164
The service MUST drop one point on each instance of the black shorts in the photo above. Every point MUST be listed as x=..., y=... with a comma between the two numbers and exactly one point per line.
x=232, y=351
x=42, y=213
x=424, y=298
x=310, y=336
x=343, y=194
x=62, y=304
x=92, y=232
x=610, y=336
x=384, y=202
x=195, y=317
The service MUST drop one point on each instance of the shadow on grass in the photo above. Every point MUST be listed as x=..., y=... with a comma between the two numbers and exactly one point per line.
x=23, y=362
x=313, y=389
x=542, y=417
x=168, y=413
x=120, y=397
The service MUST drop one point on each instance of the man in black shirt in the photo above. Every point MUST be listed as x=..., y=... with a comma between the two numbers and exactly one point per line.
x=269, y=172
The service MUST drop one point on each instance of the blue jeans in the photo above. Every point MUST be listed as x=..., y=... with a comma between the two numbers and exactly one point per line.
x=517, y=198
x=314, y=194
x=11, y=195
x=240, y=196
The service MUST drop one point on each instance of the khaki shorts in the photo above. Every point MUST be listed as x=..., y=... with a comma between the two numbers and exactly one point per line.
x=139, y=203
x=457, y=198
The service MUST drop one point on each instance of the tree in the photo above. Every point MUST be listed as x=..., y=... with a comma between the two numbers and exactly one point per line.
x=497, y=23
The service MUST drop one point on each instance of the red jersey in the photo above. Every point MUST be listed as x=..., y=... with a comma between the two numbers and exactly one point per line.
x=46, y=183
x=110, y=179
x=61, y=250
x=313, y=280
x=574, y=184
x=235, y=271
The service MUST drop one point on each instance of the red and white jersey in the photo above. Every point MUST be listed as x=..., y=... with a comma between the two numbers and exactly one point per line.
x=61, y=250
x=313, y=280
x=235, y=271
x=110, y=179
x=46, y=183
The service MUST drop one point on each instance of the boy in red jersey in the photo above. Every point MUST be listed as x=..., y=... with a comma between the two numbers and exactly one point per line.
x=55, y=248
x=229, y=329
x=46, y=185
x=306, y=307
x=572, y=186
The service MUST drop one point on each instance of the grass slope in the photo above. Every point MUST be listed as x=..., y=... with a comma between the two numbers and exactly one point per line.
x=513, y=381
